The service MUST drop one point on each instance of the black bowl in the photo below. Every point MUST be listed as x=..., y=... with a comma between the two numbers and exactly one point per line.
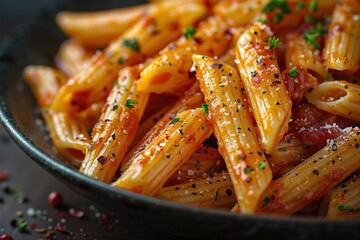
x=36, y=42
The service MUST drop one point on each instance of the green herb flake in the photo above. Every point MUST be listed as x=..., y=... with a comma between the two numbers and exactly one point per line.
x=279, y=17
x=262, y=165
x=248, y=170
x=116, y=83
x=273, y=41
x=211, y=172
x=121, y=60
x=89, y=130
x=189, y=32
x=293, y=72
x=312, y=35
x=313, y=5
x=347, y=208
x=22, y=225
x=217, y=195
x=277, y=4
x=282, y=149
x=205, y=108
x=261, y=20
x=265, y=202
x=197, y=164
x=299, y=6
x=175, y=120
x=129, y=103
x=308, y=144
x=132, y=44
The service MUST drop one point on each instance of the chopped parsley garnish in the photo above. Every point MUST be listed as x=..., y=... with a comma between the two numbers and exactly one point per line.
x=277, y=4
x=89, y=130
x=22, y=225
x=189, y=32
x=205, y=108
x=347, y=208
x=273, y=41
x=129, y=103
x=197, y=164
x=132, y=44
x=265, y=202
x=262, y=165
x=312, y=35
x=121, y=60
x=329, y=77
x=293, y=72
x=217, y=195
x=116, y=83
x=313, y=5
x=261, y=20
x=308, y=144
x=281, y=149
x=211, y=172
x=299, y=6
x=248, y=170
x=175, y=120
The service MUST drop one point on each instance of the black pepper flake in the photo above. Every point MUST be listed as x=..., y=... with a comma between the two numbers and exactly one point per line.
x=177, y=188
x=114, y=107
x=316, y=172
x=260, y=153
x=101, y=159
x=113, y=136
x=248, y=179
x=243, y=156
x=228, y=192
x=215, y=65
x=253, y=74
x=277, y=103
x=276, y=75
x=356, y=145
x=193, y=185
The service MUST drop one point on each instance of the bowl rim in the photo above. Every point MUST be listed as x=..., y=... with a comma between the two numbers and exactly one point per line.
x=61, y=170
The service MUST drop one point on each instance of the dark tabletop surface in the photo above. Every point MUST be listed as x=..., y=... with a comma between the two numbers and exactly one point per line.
x=25, y=186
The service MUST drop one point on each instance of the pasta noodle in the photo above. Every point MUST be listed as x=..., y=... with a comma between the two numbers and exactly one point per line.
x=247, y=106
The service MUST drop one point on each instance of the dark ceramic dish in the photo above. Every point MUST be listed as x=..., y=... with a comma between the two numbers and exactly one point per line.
x=36, y=43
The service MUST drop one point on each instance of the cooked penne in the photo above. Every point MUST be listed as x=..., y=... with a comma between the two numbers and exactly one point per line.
x=238, y=143
x=239, y=12
x=261, y=76
x=148, y=172
x=169, y=72
x=342, y=45
x=44, y=83
x=72, y=57
x=98, y=29
x=192, y=98
x=205, y=161
x=344, y=200
x=143, y=39
x=338, y=97
x=298, y=52
x=313, y=178
x=215, y=192
x=116, y=128
x=288, y=154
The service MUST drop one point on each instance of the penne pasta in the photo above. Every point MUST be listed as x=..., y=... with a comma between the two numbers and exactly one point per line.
x=338, y=97
x=169, y=72
x=313, y=178
x=299, y=52
x=98, y=29
x=344, y=200
x=215, y=192
x=261, y=76
x=144, y=39
x=148, y=172
x=72, y=57
x=238, y=143
x=116, y=128
x=342, y=45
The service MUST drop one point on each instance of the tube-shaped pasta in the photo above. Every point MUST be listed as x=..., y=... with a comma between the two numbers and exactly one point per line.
x=239, y=12
x=44, y=83
x=72, y=57
x=116, y=128
x=169, y=72
x=338, y=97
x=313, y=178
x=215, y=192
x=192, y=98
x=288, y=154
x=298, y=52
x=342, y=45
x=98, y=29
x=148, y=172
x=344, y=200
x=151, y=33
x=237, y=139
x=262, y=79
